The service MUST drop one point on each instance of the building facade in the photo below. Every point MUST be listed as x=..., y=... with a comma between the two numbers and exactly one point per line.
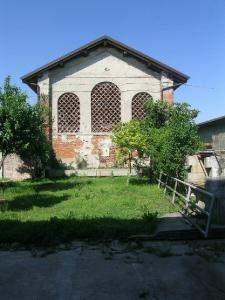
x=94, y=87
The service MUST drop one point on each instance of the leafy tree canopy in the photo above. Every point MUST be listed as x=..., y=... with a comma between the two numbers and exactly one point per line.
x=21, y=126
x=129, y=138
x=171, y=135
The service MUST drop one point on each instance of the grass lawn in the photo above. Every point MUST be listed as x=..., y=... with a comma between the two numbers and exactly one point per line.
x=47, y=211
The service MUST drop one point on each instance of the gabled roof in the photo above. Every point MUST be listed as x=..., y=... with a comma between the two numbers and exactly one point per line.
x=106, y=41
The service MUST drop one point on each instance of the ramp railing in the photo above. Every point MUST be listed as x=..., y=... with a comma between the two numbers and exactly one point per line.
x=194, y=203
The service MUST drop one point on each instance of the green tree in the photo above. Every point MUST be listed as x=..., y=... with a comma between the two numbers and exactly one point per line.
x=171, y=135
x=156, y=114
x=21, y=126
x=36, y=154
x=129, y=139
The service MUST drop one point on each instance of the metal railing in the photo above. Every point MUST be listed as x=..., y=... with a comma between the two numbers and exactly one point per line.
x=189, y=195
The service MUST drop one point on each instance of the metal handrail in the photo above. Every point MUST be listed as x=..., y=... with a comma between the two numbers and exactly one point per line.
x=186, y=199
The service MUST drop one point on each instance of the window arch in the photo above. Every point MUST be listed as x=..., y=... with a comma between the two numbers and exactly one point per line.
x=68, y=113
x=105, y=106
x=138, y=103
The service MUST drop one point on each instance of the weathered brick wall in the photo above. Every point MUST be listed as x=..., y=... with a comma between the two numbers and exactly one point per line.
x=168, y=96
x=67, y=147
x=97, y=150
x=101, y=147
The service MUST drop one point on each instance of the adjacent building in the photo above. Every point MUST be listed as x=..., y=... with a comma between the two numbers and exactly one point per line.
x=212, y=133
x=210, y=162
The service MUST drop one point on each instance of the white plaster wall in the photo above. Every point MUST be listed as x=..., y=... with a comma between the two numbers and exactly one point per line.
x=43, y=84
x=81, y=75
x=14, y=168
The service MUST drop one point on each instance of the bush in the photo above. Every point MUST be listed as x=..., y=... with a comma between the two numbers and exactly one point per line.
x=171, y=135
x=130, y=141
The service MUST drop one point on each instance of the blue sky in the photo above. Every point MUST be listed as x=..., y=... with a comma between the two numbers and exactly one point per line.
x=187, y=35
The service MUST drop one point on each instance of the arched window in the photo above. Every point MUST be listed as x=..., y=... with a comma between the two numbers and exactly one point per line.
x=105, y=106
x=138, y=103
x=68, y=113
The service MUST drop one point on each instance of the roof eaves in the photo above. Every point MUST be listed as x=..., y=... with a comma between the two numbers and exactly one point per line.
x=31, y=75
x=211, y=121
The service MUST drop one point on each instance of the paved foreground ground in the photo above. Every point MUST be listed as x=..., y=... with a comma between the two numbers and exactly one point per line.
x=147, y=270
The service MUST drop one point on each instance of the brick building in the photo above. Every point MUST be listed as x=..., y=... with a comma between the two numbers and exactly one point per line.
x=94, y=87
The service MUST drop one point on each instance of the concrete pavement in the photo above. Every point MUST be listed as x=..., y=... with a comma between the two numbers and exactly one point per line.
x=147, y=270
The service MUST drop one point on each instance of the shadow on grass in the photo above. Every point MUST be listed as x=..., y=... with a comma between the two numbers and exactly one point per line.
x=7, y=184
x=43, y=185
x=56, y=231
x=140, y=181
x=59, y=185
x=27, y=202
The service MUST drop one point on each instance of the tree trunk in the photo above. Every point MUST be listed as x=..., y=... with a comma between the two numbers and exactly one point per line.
x=130, y=159
x=129, y=165
x=2, y=164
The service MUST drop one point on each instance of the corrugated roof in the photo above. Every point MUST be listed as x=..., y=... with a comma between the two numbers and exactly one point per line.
x=211, y=121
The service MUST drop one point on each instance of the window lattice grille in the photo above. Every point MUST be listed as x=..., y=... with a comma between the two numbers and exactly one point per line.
x=105, y=106
x=138, y=103
x=68, y=113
